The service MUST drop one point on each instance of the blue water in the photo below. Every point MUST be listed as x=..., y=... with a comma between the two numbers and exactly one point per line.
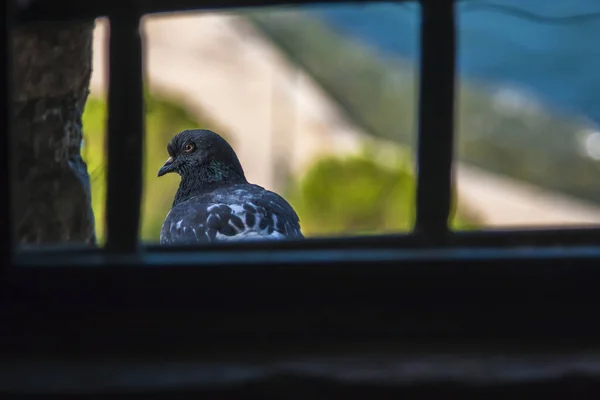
x=559, y=63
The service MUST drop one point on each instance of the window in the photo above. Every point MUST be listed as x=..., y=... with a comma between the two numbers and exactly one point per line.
x=131, y=300
x=307, y=106
x=527, y=113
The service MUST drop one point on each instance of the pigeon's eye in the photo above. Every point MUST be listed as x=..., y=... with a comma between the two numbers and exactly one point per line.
x=189, y=147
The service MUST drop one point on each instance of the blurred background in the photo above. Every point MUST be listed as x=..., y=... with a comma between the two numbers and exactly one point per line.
x=319, y=103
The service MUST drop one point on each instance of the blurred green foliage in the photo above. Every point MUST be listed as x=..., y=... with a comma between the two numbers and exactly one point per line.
x=379, y=93
x=360, y=194
x=164, y=118
x=354, y=195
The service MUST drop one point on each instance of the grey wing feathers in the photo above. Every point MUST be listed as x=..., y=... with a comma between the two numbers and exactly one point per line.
x=251, y=214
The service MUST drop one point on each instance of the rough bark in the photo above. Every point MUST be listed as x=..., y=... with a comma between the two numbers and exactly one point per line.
x=52, y=68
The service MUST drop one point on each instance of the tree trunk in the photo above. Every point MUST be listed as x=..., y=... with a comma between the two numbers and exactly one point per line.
x=51, y=194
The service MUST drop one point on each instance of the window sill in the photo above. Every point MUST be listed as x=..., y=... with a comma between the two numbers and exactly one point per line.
x=192, y=302
x=391, y=371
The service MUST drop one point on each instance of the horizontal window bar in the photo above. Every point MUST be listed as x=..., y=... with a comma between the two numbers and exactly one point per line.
x=42, y=10
x=501, y=238
x=436, y=118
x=302, y=256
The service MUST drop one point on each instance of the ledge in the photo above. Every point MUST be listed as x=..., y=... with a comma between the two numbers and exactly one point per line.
x=138, y=376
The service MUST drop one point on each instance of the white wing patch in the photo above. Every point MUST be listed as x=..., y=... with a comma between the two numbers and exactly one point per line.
x=251, y=235
x=254, y=227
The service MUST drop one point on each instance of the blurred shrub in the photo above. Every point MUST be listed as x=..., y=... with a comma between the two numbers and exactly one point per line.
x=359, y=194
x=164, y=118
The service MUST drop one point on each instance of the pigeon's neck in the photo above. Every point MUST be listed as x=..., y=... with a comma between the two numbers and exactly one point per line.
x=205, y=180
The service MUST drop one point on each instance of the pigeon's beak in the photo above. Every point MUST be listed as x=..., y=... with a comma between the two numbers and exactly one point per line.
x=168, y=167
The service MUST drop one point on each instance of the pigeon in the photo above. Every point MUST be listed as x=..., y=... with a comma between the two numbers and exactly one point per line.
x=214, y=201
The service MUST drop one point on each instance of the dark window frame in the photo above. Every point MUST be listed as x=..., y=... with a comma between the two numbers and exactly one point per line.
x=340, y=290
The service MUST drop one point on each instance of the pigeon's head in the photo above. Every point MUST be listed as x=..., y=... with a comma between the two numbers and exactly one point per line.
x=204, y=156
